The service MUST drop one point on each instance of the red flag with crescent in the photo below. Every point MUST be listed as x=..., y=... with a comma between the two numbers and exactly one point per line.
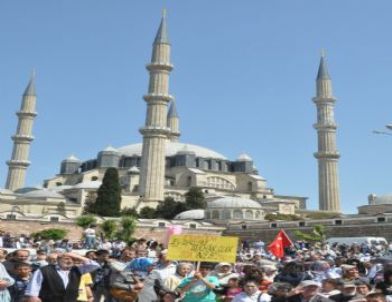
x=280, y=242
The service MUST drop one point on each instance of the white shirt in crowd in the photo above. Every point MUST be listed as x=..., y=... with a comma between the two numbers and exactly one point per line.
x=256, y=297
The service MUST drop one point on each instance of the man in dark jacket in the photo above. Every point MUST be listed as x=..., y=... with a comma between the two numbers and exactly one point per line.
x=59, y=283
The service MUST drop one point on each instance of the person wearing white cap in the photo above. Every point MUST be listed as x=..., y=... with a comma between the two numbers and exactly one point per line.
x=307, y=291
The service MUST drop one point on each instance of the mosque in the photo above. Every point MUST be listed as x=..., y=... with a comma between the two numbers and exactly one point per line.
x=162, y=166
x=159, y=167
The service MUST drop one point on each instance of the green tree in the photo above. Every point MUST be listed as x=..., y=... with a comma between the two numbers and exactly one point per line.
x=108, y=202
x=169, y=208
x=194, y=199
x=316, y=235
x=279, y=216
x=54, y=234
x=109, y=228
x=86, y=220
x=128, y=226
x=129, y=212
x=148, y=213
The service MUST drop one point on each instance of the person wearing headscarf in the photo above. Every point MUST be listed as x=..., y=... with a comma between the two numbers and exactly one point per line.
x=224, y=271
x=182, y=271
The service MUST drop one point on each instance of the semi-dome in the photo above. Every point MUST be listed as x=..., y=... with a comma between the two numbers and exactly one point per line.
x=197, y=214
x=172, y=148
x=43, y=193
x=233, y=202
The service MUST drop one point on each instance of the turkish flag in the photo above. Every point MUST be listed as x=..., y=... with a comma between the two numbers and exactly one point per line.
x=280, y=242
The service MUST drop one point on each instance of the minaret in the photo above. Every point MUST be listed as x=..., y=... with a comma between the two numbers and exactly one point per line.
x=155, y=132
x=327, y=155
x=22, y=139
x=173, y=122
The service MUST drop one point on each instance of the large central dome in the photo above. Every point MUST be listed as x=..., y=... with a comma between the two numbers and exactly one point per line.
x=172, y=148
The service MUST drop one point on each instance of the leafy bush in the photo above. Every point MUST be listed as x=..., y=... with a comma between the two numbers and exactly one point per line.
x=148, y=213
x=109, y=228
x=86, y=220
x=54, y=234
x=322, y=215
x=129, y=212
x=278, y=216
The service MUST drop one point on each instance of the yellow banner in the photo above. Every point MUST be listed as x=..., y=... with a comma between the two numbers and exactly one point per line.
x=203, y=248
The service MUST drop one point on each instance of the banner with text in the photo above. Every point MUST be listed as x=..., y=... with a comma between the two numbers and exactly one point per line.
x=203, y=248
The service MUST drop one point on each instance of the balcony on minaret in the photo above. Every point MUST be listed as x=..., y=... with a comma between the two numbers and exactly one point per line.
x=327, y=155
x=325, y=126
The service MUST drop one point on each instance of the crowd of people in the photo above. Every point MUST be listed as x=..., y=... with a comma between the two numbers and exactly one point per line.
x=140, y=271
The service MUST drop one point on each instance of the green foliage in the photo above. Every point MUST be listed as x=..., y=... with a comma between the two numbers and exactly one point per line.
x=322, y=215
x=122, y=229
x=278, y=216
x=148, y=213
x=86, y=220
x=108, y=202
x=89, y=203
x=129, y=212
x=316, y=235
x=169, y=208
x=54, y=234
x=194, y=199
x=128, y=226
x=109, y=228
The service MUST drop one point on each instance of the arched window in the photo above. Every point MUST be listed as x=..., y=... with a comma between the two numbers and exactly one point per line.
x=250, y=186
x=215, y=214
x=220, y=183
x=226, y=214
x=94, y=178
x=248, y=214
x=238, y=214
x=257, y=215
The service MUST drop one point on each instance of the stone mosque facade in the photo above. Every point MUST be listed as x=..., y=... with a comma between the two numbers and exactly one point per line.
x=161, y=166
x=164, y=166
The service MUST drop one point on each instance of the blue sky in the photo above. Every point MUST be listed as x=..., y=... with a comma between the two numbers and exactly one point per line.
x=244, y=77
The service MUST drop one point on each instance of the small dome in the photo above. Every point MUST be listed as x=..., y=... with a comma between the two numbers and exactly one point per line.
x=88, y=185
x=43, y=193
x=244, y=157
x=384, y=199
x=27, y=189
x=133, y=170
x=197, y=214
x=110, y=149
x=72, y=158
x=233, y=202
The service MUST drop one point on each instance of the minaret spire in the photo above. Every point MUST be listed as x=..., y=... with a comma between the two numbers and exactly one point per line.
x=327, y=155
x=156, y=132
x=22, y=139
x=173, y=122
x=162, y=36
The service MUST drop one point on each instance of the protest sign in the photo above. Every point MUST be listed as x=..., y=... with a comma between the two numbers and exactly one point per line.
x=203, y=248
